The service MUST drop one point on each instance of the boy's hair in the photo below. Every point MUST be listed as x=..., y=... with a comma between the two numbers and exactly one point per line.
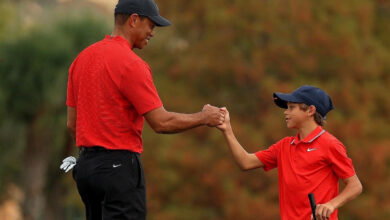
x=317, y=116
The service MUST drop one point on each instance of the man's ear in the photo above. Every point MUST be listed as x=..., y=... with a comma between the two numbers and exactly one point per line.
x=132, y=20
x=312, y=110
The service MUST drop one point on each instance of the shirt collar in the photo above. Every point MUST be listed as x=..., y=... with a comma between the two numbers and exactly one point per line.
x=311, y=137
x=119, y=39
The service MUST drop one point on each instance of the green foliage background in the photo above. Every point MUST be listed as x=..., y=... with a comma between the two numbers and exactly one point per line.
x=224, y=52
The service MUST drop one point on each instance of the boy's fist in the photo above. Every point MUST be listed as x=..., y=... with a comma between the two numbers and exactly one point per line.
x=226, y=124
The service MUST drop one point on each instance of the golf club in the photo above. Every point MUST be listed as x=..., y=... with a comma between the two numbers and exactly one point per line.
x=312, y=205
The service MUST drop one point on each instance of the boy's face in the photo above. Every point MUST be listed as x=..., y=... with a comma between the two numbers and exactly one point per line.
x=294, y=116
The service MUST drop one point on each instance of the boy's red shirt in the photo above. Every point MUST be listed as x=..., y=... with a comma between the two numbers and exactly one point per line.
x=312, y=165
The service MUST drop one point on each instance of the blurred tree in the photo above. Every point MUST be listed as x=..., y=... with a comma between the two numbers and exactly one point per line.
x=236, y=53
x=224, y=52
x=7, y=12
x=33, y=70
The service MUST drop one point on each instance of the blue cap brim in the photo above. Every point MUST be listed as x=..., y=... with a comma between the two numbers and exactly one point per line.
x=281, y=99
x=159, y=21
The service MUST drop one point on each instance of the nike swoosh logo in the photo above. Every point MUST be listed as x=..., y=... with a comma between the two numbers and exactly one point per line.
x=116, y=165
x=311, y=149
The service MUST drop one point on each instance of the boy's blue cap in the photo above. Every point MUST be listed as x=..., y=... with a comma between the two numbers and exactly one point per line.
x=308, y=95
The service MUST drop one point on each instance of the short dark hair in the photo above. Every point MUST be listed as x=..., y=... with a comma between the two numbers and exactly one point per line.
x=317, y=116
x=120, y=18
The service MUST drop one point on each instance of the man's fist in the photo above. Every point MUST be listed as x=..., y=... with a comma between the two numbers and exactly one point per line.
x=214, y=116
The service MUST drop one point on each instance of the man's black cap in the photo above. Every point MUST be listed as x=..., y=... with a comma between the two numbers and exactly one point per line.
x=308, y=95
x=146, y=8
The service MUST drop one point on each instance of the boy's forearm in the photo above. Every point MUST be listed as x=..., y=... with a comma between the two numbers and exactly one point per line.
x=239, y=153
x=352, y=189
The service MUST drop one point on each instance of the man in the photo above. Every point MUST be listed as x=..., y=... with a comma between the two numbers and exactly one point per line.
x=110, y=92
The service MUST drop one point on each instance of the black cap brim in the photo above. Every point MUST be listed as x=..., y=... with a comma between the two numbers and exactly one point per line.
x=159, y=21
x=281, y=99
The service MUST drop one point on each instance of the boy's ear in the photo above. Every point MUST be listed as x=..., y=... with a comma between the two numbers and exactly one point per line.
x=312, y=110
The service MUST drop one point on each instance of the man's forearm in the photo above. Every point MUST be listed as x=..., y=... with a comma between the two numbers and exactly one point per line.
x=72, y=132
x=178, y=122
x=71, y=121
x=166, y=122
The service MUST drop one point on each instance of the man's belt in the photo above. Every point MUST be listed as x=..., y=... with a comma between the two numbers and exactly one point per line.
x=93, y=149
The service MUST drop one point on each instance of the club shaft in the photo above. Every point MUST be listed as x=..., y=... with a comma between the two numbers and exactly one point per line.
x=312, y=205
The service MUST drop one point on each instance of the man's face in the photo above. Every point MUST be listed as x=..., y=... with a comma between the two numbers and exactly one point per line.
x=144, y=31
x=294, y=116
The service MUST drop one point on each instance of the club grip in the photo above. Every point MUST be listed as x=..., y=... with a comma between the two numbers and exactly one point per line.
x=312, y=205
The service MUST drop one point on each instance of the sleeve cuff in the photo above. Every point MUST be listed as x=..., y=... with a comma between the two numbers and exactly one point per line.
x=150, y=108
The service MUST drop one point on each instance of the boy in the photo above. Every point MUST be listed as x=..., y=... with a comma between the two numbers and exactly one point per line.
x=312, y=161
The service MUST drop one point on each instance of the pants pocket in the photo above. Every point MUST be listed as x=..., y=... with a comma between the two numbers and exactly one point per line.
x=74, y=172
x=141, y=176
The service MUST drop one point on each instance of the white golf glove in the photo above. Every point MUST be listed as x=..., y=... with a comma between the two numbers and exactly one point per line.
x=68, y=163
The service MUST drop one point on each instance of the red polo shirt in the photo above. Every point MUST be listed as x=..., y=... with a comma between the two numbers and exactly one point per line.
x=314, y=164
x=111, y=88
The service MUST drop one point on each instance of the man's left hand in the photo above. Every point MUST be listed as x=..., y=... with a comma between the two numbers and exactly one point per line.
x=68, y=163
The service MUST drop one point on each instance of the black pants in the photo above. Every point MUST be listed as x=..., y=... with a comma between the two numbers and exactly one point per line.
x=111, y=184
